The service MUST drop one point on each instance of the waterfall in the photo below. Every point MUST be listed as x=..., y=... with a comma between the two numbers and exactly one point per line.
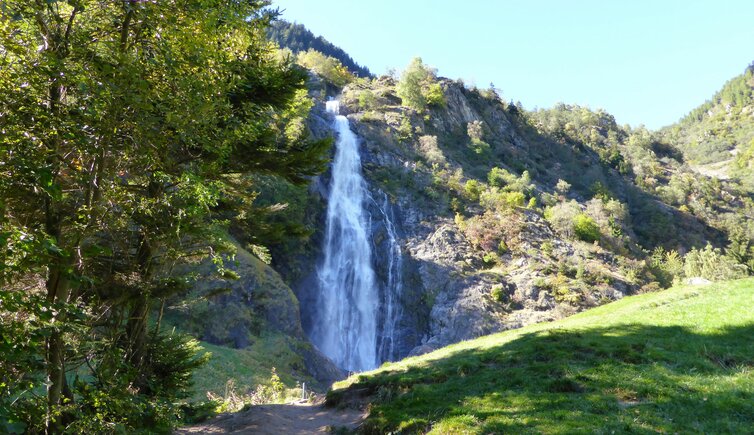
x=393, y=287
x=356, y=314
x=345, y=318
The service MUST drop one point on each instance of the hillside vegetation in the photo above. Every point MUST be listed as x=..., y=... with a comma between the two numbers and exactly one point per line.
x=677, y=361
x=298, y=39
x=718, y=136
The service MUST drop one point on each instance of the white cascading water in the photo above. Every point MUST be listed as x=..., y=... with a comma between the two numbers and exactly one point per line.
x=393, y=288
x=345, y=318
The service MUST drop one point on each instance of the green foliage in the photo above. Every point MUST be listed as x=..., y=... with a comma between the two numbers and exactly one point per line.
x=367, y=100
x=418, y=88
x=490, y=259
x=327, y=67
x=562, y=217
x=431, y=151
x=741, y=249
x=737, y=92
x=495, y=199
x=711, y=264
x=406, y=130
x=435, y=95
x=498, y=293
x=667, y=266
x=601, y=191
x=473, y=189
x=585, y=228
x=498, y=177
x=124, y=153
x=503, y=179
x=298, y=38
x=563, y=187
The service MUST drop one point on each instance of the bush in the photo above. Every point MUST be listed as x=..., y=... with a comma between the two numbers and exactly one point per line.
x=475, y=130
x=481, y=148
x=498, y=293
x=499, y=177
x=495, y=199
x=487, y=231
x=585, y=228
x=367, y=100
x=667, y=266
x=435, y=95
x=428, y=147
x=490, y=259
x=711, y=264
x=562, y=216
x=563, y=187
x=472, y=189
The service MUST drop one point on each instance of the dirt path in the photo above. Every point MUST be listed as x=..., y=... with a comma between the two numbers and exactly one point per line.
x=293, y=418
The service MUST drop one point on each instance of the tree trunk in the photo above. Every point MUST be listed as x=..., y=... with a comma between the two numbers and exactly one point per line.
x=58, y=291
x=136, y=328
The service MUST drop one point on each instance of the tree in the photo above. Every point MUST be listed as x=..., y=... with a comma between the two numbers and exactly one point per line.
x=585, y=228
x=126, y=140
x=562, y=186
x=327, y=67
x=418, y=88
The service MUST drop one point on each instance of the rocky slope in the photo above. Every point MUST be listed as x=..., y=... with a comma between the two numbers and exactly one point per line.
x=483, y=198
x=451, y=294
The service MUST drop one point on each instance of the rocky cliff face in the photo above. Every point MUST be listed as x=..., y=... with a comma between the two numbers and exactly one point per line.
x=450, y=294
x=238, y=313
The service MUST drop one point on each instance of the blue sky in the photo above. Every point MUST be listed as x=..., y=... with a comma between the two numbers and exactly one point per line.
x=646, y=62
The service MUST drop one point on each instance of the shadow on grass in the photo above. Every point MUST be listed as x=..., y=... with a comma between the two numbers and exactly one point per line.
x=634, y=378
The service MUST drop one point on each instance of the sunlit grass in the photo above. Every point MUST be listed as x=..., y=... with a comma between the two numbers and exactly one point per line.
x=681, y=360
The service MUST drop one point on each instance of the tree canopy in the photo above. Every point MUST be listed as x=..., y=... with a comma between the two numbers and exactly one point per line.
x=130, y=131
x=418, y=87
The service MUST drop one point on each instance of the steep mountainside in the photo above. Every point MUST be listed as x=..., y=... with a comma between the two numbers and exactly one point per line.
x=718, y=136
x=489, y=241
x=504, y=218
x=298, y=38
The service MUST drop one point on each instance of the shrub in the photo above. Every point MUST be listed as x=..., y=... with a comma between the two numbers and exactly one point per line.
x=405, y=130
x=475, y=130
x=547, y=247
x=472, y=189
x=667, y=266
x=502, y=247
x=499, y=177
x=585, y=228
x=428, y=147
x=711, y=264
x=481, y=148
x=561, y=217
x=563, y=187
x=495, y=199
x=367, y=100
x=498, y=293
x=487, y=231
x=435, y=95
x=490, y=259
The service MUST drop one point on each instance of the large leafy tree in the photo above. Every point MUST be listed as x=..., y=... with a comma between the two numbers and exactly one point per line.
x=128, y=130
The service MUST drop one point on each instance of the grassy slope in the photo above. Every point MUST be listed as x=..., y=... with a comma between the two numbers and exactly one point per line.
x=248, y=368
x=681, y=360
